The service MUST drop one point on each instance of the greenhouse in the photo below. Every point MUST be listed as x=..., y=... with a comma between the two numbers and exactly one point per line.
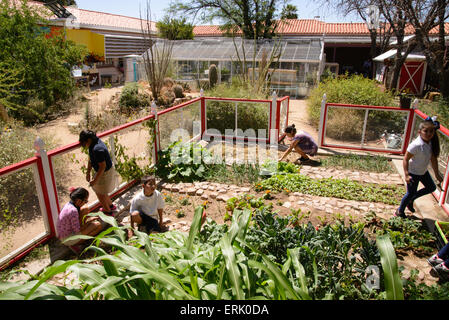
x=295, y=68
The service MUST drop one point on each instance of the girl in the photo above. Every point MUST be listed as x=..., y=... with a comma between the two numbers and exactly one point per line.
x=302, y=143
x=424, y=149
x=103, y=181
x=71, y=220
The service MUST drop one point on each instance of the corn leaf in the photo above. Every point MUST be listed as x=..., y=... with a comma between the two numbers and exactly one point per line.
x=393, y=283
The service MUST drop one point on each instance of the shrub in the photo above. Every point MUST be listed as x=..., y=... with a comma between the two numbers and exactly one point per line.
x=177, y=89
x=131, y=98
x=221, y=115
x=352, y=90
x=213, y=75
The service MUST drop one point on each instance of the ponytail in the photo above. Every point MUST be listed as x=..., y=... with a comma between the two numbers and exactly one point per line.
x=435, y=145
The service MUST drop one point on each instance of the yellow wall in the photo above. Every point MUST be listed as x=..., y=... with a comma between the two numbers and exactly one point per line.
x=93, y=41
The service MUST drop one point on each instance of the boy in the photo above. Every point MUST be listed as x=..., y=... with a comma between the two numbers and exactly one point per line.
x=147, y=207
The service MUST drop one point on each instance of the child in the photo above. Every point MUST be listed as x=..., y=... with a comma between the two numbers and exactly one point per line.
x=104, y=179
x=147, y=207
x=440, y=263
x=424, y=149
x=71, y=220
x=302, y=143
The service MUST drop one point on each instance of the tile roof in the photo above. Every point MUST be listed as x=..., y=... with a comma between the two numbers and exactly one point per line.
x=309, y=27
x=102, y=19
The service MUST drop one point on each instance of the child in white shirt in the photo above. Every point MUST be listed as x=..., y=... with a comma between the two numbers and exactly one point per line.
x=424, y=149
x=147, y=207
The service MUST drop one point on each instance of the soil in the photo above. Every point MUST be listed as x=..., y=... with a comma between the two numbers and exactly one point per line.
x=98, y=99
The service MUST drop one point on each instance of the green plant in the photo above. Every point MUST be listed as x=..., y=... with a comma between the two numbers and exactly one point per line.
x=178, y=91
x=371, y=163
x=233, y=174
x=182, y=162
x=131, y=98
x=41, y=63
x=337, y=188
x=128, y=167
x=213, y=75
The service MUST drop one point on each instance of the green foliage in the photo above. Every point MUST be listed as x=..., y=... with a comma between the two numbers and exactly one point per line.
x=233, y=174
x=221, y=114
x=370, y=163
x=131, y=98
x=422, y=291
x=175, y=29
x=271, y=167
x=41, y=64
x=405, y=234
x=337, y=188
x=289, y=12
x=183, y=162
x=213, y=76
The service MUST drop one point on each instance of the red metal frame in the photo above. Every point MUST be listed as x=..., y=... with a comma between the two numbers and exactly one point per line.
x=351, y=106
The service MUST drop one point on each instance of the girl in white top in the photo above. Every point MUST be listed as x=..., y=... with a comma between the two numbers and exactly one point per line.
x=423, y=150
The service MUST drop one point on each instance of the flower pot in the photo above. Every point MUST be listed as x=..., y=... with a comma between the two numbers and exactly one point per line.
x=405, y=102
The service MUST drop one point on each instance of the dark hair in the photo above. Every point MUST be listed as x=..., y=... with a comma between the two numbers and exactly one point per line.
x=435, y=142
x=86, y=134
x=78, y=194
x=290, y=129
x=146, y=179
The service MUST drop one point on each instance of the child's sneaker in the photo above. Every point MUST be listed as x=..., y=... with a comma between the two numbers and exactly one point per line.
x=434, y=260
x=443, y=271
x=398, y=214
x=410, y=207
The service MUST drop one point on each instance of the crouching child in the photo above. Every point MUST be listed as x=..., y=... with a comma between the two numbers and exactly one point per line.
x=147, y=207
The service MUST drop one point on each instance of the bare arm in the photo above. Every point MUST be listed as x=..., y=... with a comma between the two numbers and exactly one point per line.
x=160, y=211
x=405, y=162
x=286, y=153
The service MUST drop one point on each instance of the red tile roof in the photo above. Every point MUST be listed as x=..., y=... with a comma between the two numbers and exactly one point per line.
x=309, y=27
x=102, y=19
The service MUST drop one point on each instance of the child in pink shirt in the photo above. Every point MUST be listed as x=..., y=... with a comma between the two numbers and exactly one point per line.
x=71, y=220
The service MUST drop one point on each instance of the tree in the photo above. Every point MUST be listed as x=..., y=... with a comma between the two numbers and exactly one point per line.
x=175, y=29
x=289, y=12
x=157, y=58
x=254, y=18
x=425, y=15
x=41, y=66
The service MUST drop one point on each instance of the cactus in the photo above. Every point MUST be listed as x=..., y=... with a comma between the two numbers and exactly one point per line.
x=177, y=89
x=213, y=75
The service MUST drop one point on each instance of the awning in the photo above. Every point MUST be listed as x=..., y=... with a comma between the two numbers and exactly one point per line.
x=391, y=53
x=93, y=41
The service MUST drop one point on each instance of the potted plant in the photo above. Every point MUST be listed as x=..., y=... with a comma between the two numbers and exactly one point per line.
x=405, y=99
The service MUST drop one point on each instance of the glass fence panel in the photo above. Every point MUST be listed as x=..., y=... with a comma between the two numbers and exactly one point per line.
x=220, y=115
x=70, y=171
x=385, y=129
x=344, y=127
x=442, y=159
x=283, y=116
x=133, y=146
x=21, y=217
x=252, y=117
x=180, y=123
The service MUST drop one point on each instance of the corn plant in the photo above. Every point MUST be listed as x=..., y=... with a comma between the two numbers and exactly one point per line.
x=176, y=265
